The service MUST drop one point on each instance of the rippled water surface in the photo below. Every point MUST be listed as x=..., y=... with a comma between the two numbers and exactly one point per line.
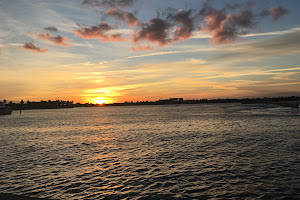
x=214, y=151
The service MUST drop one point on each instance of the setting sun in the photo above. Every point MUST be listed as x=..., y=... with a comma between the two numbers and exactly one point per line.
x=101, y=101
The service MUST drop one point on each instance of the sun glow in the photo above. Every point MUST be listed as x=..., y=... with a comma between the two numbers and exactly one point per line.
x=101, y=101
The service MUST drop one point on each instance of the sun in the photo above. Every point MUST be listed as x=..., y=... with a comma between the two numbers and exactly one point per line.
x=101, y=101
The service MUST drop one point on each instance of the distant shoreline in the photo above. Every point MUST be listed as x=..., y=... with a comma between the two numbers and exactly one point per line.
x=292, y=101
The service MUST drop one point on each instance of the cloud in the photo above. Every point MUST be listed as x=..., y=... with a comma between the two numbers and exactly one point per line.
x=127, y=17
x=58, y=40
x=233, y=6
x=225, y=28
x=180, y=25
x=51, y=28
x=32, y=47
x=276, y=12
x=243, y=18
x=184, y=24
x=93, y=3
x=109, y=3
x=155, y=30
x=175, y=25
x=99, y=32
x=287, y=43
x=173, y=52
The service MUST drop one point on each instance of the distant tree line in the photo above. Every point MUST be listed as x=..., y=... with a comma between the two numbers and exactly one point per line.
x=40, y=105
x=69, y=104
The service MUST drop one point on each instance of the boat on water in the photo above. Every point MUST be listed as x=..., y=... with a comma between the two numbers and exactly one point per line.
x=4, y=110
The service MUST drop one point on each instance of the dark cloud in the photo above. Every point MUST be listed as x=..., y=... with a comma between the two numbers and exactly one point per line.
x=184, y=24
x=155, y=30
x=99, y=32
x=51, y=28
x=220, y=26
x=276, y=13
x=177, y=25
x=226, y=27
x=243, y=18
x=125, y=16
x=32, y=47
x=174, y=25
x=226, y=33
x=214, y=19
x=109, y=3
x=58, y=40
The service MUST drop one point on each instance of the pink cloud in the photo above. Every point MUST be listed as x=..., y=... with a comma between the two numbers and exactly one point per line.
x=99, y=32
x=226, y=28
x=32, y=47
x=58, y=40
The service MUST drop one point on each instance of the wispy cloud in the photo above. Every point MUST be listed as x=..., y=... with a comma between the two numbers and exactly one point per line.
x=174, y=52
x=285, y=44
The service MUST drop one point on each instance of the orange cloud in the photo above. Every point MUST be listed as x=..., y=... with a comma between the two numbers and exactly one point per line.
x=99, y=32
x=58, y=40
x=32, y=47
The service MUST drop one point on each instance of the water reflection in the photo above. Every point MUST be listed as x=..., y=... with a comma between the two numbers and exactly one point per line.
x=161, y=152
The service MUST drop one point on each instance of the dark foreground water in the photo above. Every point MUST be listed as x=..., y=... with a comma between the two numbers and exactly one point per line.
x=215, y=151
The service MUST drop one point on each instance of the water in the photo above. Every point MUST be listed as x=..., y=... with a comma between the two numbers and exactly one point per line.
x=214, y=151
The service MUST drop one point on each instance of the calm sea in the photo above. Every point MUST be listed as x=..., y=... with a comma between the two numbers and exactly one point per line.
x=213, y=151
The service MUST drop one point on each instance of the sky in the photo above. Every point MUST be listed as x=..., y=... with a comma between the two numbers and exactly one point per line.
x=106, y=51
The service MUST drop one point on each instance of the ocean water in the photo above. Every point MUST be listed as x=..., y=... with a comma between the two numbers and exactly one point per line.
x=204, y=151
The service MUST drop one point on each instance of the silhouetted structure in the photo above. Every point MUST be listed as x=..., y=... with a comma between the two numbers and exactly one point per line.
x=3, y=109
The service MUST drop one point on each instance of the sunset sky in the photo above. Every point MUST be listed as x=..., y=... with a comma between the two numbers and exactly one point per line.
x=136, y=50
